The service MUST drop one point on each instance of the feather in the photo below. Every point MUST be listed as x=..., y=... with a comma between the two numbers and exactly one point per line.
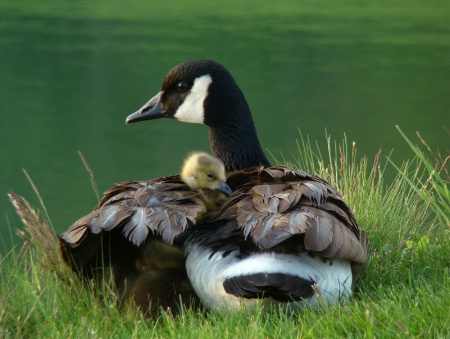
x=136, y=229
x=137, y=210
x=271, y=205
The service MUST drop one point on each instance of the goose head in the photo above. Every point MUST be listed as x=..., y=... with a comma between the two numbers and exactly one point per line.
x=204, y=92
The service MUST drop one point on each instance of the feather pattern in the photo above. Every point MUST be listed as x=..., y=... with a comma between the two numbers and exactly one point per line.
x=279, y=234
x=133, y=210
x=284, y=216
x=140, y=207
x=132, y=238
x=273, y=204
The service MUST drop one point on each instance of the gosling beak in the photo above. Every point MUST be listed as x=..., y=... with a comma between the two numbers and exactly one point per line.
x=224, y=188
x=151, y=110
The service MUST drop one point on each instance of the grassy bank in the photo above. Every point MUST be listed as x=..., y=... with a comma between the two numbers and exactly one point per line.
x=404, y=292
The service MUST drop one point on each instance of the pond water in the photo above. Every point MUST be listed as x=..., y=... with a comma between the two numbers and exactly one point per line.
x=72, y=71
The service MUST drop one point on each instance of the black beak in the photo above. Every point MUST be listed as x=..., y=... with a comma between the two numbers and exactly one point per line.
x=224, y=188
x=151, y=110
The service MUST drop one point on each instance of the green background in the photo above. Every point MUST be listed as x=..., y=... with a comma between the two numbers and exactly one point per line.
x=70, y=73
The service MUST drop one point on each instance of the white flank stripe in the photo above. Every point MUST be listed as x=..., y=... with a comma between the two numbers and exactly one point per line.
x=207, y=275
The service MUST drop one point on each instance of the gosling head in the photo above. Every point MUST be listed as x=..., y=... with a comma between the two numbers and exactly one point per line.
x=202, y=171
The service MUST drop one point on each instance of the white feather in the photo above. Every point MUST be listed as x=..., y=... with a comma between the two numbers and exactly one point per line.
x=192, y=110
x=207, y=273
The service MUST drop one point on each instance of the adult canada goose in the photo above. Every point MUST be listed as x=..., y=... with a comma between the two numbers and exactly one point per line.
x=284, y=236
x=134, y=235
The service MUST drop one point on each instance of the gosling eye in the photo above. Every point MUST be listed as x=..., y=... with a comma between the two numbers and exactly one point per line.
x=210, y=175
x=182, y=86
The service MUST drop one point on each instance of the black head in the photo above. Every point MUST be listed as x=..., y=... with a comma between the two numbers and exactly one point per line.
x=200, y=91
x=204, y=92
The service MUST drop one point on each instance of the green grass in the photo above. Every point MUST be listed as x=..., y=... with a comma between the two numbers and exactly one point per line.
x=404, y=292
x=432, y=186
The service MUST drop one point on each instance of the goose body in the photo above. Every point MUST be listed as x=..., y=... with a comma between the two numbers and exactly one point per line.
x=284, y=236
x=134, y=236
x=281, y=237
x=229, y=281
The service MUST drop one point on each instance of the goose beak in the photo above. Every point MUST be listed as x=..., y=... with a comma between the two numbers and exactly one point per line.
x=151, y=110
x=224, y=188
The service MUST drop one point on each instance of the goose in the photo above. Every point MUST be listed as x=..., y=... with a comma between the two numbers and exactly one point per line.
x=284, y=238
x=134, y=236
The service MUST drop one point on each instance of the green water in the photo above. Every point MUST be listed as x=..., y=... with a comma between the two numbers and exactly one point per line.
x=72, y=71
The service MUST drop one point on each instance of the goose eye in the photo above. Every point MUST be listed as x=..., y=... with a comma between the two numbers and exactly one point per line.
x=182, y=86
x=210, y=175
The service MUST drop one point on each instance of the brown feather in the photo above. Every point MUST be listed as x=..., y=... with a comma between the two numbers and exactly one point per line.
x=113, y=237
x=272, y=205
x=132, y=234
x=161, y=207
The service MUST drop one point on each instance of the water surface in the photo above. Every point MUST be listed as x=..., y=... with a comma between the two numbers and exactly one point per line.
x=72, y=71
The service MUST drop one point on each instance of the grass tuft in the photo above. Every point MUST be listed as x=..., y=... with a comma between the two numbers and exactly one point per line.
x=405, y=291
x=430, y=181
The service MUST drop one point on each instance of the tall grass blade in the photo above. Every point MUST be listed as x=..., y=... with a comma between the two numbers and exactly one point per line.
x=432, y=185
x=91, y=175
x=36, y=191
x=405, y=289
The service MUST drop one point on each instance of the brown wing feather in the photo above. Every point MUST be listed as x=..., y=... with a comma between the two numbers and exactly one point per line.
x=133, y=210
x=130, y=229
x=272, y=204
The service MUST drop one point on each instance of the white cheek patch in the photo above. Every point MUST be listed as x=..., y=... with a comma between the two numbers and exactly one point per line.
x=192, y=110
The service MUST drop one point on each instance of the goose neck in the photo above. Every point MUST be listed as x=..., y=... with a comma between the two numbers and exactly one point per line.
x=237, y=147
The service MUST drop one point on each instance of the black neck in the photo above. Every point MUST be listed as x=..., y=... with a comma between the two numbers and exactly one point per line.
x=237, y=146
x=232, y=132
